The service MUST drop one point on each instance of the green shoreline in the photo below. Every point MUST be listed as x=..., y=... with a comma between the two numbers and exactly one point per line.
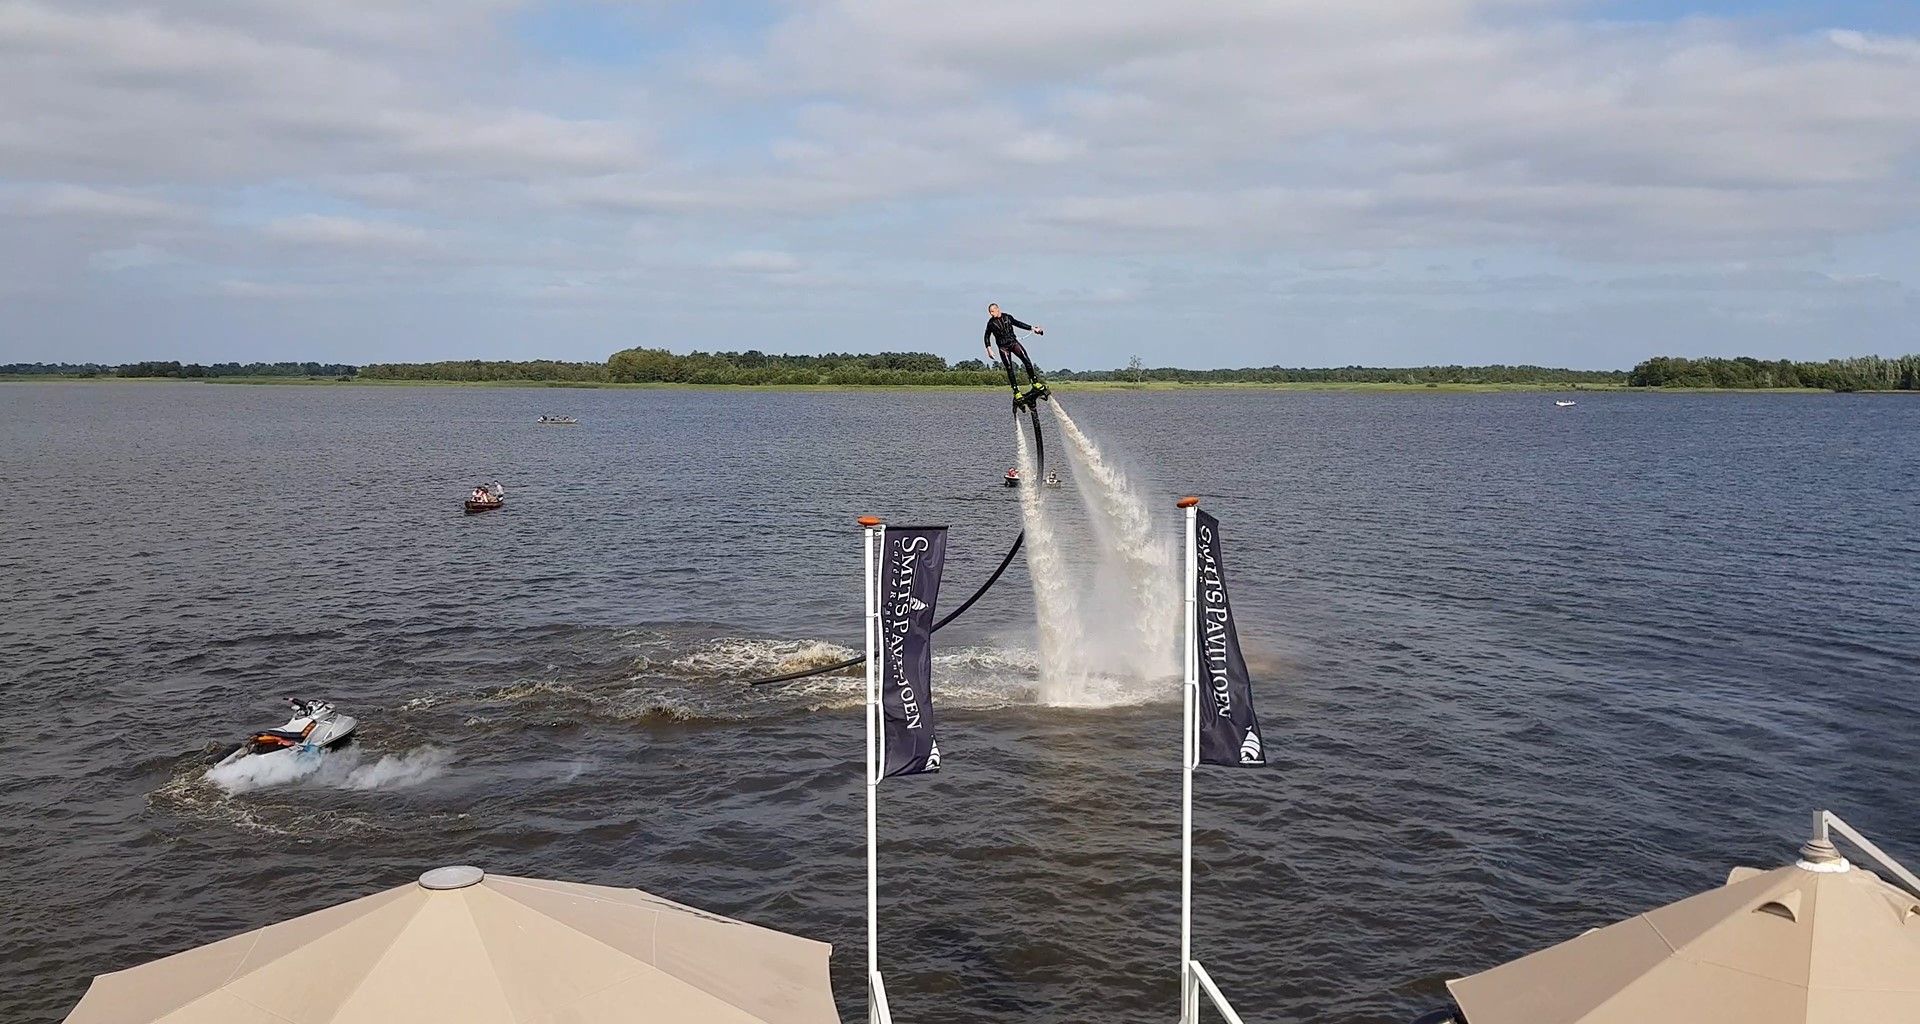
x=1062, y=386
x=1065, y=387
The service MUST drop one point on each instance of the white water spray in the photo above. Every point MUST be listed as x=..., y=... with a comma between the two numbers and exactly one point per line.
x=1137, y=581
x=1062, y=644
x=344, y=769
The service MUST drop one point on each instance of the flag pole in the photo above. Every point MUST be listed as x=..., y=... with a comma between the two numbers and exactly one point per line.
x=873, y=527
x=1190, y=683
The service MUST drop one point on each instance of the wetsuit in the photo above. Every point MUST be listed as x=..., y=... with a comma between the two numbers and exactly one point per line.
x=1000, y=333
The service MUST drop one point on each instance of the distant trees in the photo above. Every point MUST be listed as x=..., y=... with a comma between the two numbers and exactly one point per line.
x=644, y=365
x=656, y=365
x=54, y=369
x=1862, y=373
x=476, y=370
x=175, y=368
x=1497, y=374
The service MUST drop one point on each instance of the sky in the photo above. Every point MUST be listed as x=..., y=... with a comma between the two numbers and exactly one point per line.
x=1575, y=183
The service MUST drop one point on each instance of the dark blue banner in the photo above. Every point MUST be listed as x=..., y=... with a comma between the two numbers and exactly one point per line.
x=911, y=560
x=1229, y=730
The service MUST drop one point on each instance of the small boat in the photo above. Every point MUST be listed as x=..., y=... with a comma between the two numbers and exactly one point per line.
x=1012, y=478
x=1053, y=478
x=559, y=421
x=486, y=498
x=1563, y=405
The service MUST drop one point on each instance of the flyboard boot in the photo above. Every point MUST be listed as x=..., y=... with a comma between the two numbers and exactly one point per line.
x=1037, y=393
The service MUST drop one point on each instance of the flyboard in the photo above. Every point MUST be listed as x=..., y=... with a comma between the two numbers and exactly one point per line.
x=1029, y=402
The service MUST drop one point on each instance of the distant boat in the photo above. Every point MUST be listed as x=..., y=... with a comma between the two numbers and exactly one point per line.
x=495, y=496
x=559, y=421
x=1013, y=478
x=1563, y=405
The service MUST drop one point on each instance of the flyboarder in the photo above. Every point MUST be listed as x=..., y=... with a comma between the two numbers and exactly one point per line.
x=1000, y=330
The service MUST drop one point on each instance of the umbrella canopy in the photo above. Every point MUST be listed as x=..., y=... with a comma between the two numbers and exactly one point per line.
x=462, y=945
x=1819, y=942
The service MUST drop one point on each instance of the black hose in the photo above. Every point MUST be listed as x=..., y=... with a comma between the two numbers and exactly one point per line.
x=1040, y=452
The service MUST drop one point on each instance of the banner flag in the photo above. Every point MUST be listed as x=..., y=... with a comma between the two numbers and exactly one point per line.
x=1229, y=730
x=912, y=558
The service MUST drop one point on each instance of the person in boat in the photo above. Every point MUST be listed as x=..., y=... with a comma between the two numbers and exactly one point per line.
x=1000, y=332
x=480, y=494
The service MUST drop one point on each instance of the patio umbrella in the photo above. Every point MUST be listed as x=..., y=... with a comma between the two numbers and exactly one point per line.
x=1818, y=942
x=464, y=946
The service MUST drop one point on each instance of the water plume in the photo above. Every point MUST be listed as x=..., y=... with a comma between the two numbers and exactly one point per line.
x=1104, y=583
x=1134, y=563
x=1055, y=601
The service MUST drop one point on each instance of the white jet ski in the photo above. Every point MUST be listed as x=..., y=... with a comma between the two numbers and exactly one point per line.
x=315, y=726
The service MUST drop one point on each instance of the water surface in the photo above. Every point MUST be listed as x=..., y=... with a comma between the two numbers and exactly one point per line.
x=1522, y=670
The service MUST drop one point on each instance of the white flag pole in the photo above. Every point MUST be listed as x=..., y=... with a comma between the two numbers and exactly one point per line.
x=1189, y=991
x=874, y=529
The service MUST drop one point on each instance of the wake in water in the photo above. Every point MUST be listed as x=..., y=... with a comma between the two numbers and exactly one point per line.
x=340, y=769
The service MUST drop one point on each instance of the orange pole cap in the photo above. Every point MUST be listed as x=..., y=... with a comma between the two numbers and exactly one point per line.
x=870, y=521
x=1187, y=502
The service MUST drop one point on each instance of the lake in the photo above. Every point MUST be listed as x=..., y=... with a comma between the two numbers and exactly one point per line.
x=1522, y=670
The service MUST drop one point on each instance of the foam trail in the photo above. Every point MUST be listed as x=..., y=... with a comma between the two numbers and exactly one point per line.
x=250, y=773
x=399, y=771
x=1061, y=642
x=1137, y=563
x=338, y=770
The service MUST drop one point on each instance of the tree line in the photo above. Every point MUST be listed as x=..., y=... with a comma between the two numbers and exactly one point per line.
x=657, y=365
x=175, y=368
x=1862, y=373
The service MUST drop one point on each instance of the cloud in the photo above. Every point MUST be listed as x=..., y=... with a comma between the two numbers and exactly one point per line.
x=1238, y=164
x=132, y=257
x=242, y=289
x=346, y=232
x=1902, y=47
x=760, y=261
x=81, y=201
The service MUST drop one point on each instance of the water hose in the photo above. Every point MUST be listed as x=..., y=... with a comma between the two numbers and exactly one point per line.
x=1040, y=453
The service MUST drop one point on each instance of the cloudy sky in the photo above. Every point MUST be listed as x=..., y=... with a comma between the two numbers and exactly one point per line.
x=1570, y=182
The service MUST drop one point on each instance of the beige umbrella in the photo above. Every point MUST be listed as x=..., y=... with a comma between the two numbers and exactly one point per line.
x=464, y=946
x=1818, y=942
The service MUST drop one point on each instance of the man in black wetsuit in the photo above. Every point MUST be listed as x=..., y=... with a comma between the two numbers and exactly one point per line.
x=999, y=331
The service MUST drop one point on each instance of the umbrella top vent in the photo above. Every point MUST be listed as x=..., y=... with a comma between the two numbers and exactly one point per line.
x=1819, y=854
x=456, y=877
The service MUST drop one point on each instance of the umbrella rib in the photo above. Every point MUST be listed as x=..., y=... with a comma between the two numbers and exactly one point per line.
x=260, y=933
x=384, y=950
x=655, y=940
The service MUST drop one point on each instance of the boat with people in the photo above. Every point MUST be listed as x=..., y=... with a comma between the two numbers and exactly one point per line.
x=559, y=421
x=486, y=498
x=315, y=725
x=1012, y=479
x=1052, y=478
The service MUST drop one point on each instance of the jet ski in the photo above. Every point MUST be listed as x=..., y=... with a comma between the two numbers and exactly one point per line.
x=315, y=726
